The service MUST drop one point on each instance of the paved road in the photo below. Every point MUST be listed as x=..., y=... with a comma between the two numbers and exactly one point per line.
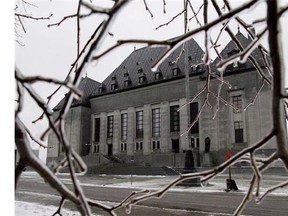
x=216, y=202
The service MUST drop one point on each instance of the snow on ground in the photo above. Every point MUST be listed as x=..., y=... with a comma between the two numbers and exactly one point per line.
x=34, y=209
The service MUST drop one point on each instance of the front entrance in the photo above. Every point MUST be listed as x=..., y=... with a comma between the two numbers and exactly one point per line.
x=110, y=149
x=175, y=145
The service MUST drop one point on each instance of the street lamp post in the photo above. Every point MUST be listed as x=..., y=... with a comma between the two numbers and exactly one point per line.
x=186, y=70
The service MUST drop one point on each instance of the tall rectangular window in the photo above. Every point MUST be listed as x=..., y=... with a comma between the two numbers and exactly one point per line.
x=238, y=127
x=97, y=129
x=139, y=124
x=109, y=126
x=124, y=125
x=193, y=115
x=174, y=119
x=237, y=102
x=156, y=122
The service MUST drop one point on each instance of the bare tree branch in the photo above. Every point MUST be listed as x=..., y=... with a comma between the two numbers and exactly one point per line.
x=147, y=9
x=34, y=18
x=278, y=80
x=272, y=75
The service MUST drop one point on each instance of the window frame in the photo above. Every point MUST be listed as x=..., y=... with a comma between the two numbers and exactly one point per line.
x=97, y=125
x=139, y=124
x=238, y=132
x=156, y=122
x=174, y=119
x=124, y=126
x=110, y=122
x=237, y=103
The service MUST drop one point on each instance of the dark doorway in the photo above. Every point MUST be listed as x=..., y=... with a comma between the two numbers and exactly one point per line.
x=175, y=145
x=110, y=149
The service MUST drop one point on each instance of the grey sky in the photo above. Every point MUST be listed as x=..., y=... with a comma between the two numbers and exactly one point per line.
x=51, y=51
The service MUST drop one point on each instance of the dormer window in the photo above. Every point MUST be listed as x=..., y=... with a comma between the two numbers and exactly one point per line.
x=142, y=79
x=127, y=83
x=196, y=68
x=158, y=75
x=127, y=80
x=113, y=86
x=175, y=71
x=114, y=83
x=126, y=74
x=142, y=76
x=101, y=88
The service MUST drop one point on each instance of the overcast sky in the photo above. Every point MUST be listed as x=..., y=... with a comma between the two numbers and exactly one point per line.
x=51, y=51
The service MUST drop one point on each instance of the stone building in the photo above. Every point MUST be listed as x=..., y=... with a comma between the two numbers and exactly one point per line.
x=133, y=115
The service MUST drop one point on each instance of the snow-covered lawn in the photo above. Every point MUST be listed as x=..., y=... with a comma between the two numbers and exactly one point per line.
x=34, y=209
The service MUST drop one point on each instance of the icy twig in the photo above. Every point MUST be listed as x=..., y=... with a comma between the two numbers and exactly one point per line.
x=257, y=173
x=147, y=9
x=255, y=97
x=272, y=189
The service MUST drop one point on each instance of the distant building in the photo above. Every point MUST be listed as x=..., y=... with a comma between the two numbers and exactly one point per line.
x=133, y=113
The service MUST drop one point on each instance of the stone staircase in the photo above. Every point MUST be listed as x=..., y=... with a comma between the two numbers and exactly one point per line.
x=169, y=171
x=113, y=159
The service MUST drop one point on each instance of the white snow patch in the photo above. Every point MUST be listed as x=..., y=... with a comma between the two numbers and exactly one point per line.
x=34, y=209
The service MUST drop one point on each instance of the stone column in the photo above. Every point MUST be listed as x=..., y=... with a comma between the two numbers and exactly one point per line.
x=92, y=130
x=116, y=131
x=147, y=124
x=131, y=130
x=164, y=126
x=103, y=134
x=184, y=143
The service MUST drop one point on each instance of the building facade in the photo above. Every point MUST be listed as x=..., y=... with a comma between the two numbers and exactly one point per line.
x=144, y=116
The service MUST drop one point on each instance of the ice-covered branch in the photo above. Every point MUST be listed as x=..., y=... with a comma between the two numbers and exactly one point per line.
x=279, y=123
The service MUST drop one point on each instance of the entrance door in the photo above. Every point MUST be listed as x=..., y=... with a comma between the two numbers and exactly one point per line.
x=110, y=149
x=175, y=145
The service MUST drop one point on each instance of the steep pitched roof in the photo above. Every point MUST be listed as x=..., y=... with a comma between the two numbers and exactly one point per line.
x=232, y=49
x=135, y=71
x=87, y=86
